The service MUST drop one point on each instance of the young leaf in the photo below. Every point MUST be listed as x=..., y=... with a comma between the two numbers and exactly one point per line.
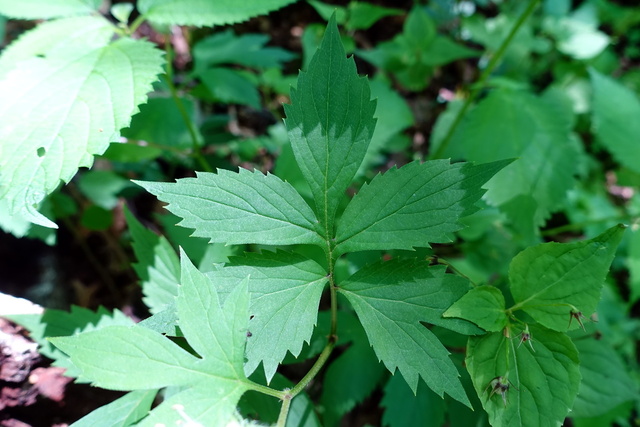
x=551, y=281
x=391, y=298
x=243, y=207
x=483, y=306
x=606, y=382
x=541, y=384
x=617, y=129
x=330, y=123
x=47, y=9
x=206, y=12
x=122, y=412
x=412, y=206
x=67, y=90
x=158, y=266
x=119, y=357
x=285, y=293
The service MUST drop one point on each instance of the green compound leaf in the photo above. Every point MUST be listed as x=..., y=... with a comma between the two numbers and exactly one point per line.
x=551, y=280
x=285, y=294
x=391, y=298
x=543, y=383
x=122, y=412
x=616, y=128
x=46, y=9
x=68, y=90
x=206, y=12
x=412, y=206
x=158, y=266
x=484, y=306
x=237, y=208
x=330, y=123
x=136, y=358
x=606, y=382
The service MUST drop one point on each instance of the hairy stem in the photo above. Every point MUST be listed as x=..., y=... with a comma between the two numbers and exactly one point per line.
x=483, y=79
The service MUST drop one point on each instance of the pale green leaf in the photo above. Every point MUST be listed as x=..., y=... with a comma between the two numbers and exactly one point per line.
x=404, y=408
x=615, y=119
x=46, y=9
x=484, y=306
x=122, y=412
x=236, y=208
x=330, y=123
x=206, y=12
x=391, y=298
x=129, y=358
x=551, y=280
x=158, y=266
x=412, y=206
x=606, y=382
x=285, y=294
x=137, y=358
x=542, y=383
x=536, y=131
x=68, y=90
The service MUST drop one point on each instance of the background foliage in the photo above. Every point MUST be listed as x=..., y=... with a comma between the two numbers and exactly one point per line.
x=548, y=90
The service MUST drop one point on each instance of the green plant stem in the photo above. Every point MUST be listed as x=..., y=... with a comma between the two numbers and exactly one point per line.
x=135, y=24
x=483, y=79
x=268, y=390
x=284, y=411
x=197, y=152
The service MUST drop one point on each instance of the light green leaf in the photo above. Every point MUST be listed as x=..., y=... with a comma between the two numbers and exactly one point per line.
x=46, y=9
x=404, y=408
x=536, y=131
x=542, y=383
x=391, y=298
x=102, y=187
x=158, y=266
x=68, y=90
x=330, y=123
x=206, y=12
x=484, y=306
x=616, y=128
x=236, y=208
x=551, y=280
x=55, y=323
x=606, y=382
x=137, y=358
x=412, y=206
x=285, y=294
x=122, y=412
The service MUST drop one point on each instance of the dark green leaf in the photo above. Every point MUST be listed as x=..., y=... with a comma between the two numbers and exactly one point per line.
x=484, y=306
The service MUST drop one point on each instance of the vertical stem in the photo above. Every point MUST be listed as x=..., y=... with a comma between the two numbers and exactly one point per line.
x=197, y=152
x=483, y=79
x=284, y=412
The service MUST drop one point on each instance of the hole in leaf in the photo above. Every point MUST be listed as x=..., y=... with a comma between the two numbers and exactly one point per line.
x=39, y=55
x=41, y=152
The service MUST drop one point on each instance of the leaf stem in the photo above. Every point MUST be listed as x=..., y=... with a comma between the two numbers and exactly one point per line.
x=284, y=412
x=483, y=79
x=135, y=24
x=197, y=152
x=580, y=225
x=268, y=390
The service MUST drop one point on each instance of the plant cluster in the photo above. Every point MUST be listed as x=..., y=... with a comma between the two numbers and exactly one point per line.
x=294, y=295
